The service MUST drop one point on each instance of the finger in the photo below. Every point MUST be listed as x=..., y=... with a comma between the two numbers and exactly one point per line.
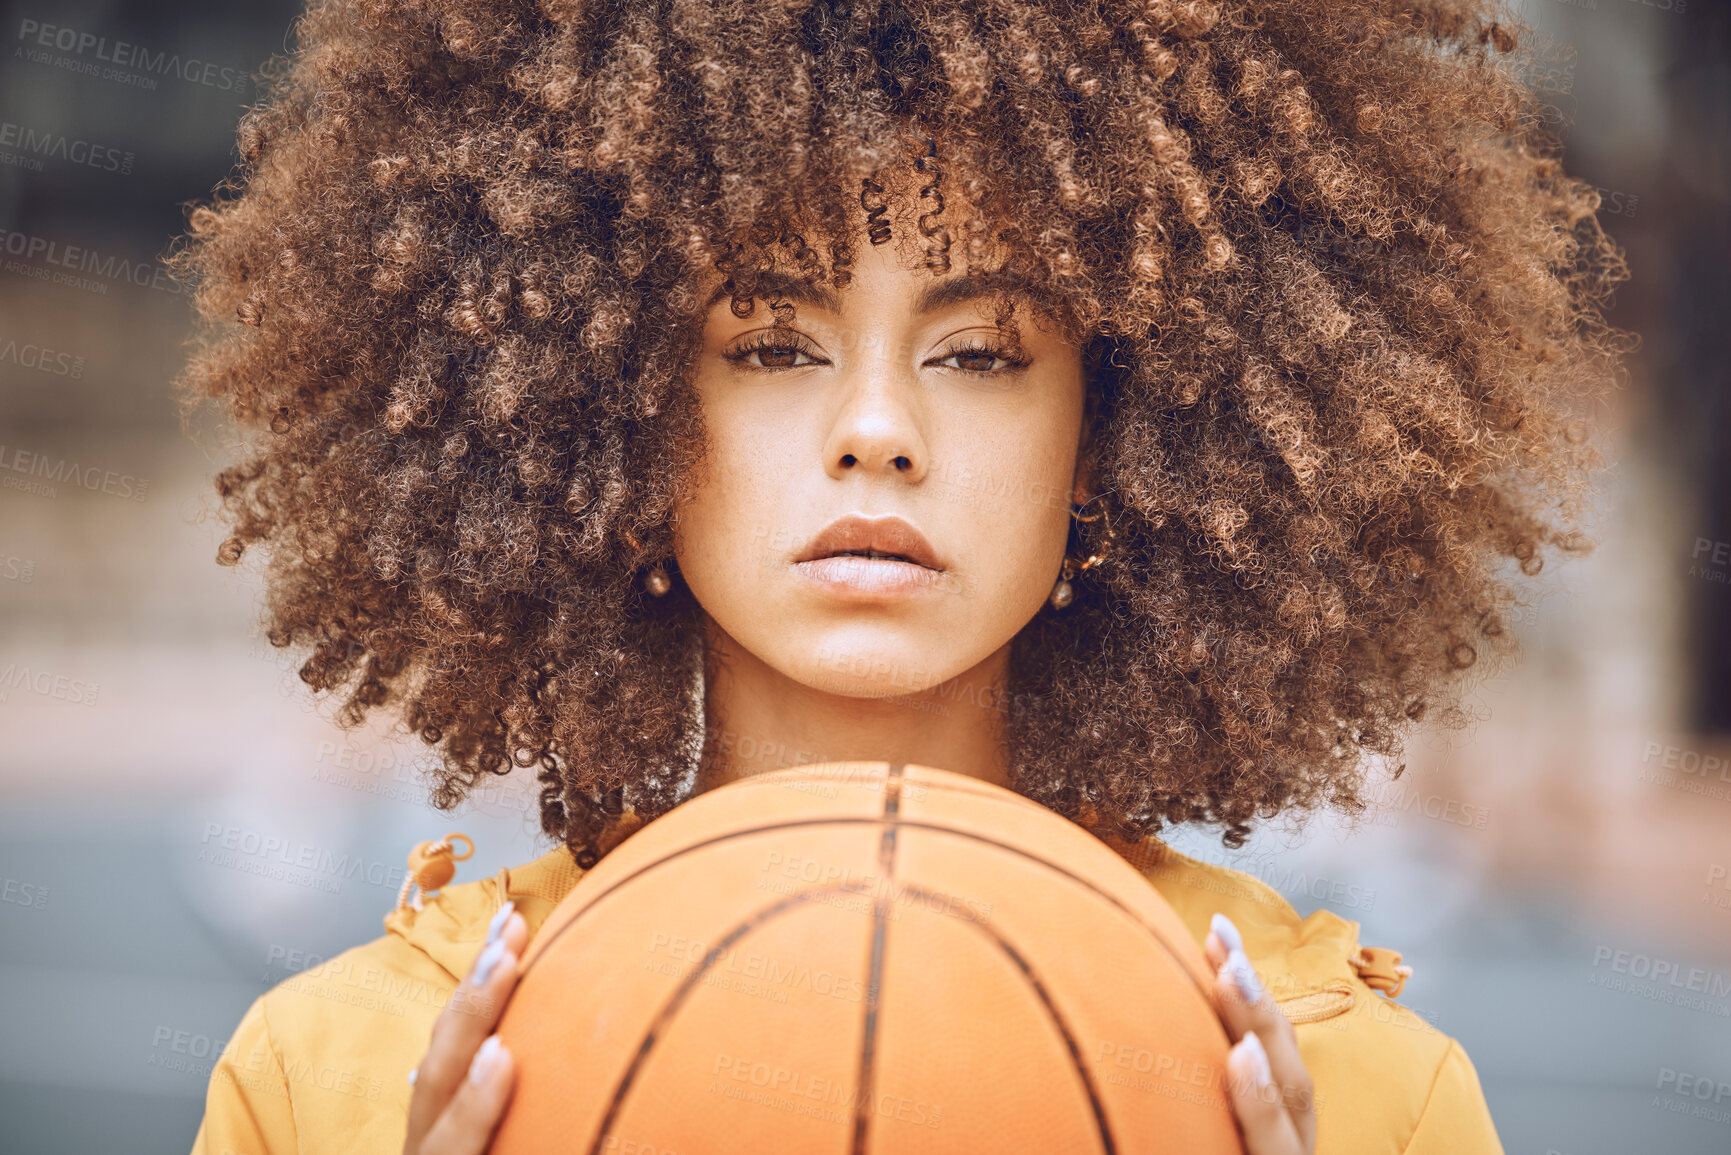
x=1241, y=1016
x=469, y=1121
x=1215, y=950
x=467, y=1019
x=1246, y=1006
x=465, y=1022
x=1238, y=990
x=1256, y=1100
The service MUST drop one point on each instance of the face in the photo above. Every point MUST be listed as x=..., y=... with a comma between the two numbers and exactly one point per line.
x=884, y=501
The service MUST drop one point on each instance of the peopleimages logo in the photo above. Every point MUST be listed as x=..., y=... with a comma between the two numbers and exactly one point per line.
x=1661, y=980
x=48, y=684
x=34, y=145
x=57, y=256
x=61, y=471
x=39, y=41
x=290, y=860
x=41, y=359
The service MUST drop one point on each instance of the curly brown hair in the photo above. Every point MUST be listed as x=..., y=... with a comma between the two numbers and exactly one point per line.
x=1341, y=306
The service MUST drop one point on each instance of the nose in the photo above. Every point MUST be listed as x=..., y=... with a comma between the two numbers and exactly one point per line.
x=877, y=430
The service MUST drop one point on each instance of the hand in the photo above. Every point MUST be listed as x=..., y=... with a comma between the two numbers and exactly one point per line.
x=464, y=1082
x=1272, y=1094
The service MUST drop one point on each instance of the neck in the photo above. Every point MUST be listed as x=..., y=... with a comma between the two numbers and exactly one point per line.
x=761, y=720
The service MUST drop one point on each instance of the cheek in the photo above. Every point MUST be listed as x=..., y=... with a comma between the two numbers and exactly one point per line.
x=700, y=540
x=1035, y=517
x=724, y=529
x=1017, y=515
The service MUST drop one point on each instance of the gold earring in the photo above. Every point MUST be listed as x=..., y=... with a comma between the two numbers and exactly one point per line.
x=656, y=580
x=1063, y=593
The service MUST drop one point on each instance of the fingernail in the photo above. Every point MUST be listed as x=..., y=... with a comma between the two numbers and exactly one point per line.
x=1222, y=926
x=1244, y=975
x=497, y=925
x=1258, y=1059
x=489, y=959
x=482, y=1064
x=414, y=1074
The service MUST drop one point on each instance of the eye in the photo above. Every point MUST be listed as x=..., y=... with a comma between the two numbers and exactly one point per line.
x=977, y=351
x=777, y=349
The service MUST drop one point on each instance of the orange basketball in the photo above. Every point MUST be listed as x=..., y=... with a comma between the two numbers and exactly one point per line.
x=864, y=958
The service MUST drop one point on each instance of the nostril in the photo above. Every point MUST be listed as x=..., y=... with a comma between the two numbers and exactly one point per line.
x=847, y=460
x=904, y=464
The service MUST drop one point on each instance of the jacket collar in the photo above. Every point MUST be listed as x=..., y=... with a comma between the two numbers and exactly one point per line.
x=1303, y=961
x=451, y=924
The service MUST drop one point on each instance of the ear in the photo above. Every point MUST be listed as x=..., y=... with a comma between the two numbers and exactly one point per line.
x=1086, y=481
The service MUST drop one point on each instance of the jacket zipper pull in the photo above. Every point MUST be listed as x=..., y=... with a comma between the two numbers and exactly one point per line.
x=431, y=866
x=1381, y=969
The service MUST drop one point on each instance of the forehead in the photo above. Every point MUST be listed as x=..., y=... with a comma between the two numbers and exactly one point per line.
x=935, y=293
x=999, y=278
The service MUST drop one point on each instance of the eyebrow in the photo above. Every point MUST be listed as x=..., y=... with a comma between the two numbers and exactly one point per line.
x=934, y=296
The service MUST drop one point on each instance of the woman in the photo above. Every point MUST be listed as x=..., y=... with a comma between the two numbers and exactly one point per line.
x=1126, y=405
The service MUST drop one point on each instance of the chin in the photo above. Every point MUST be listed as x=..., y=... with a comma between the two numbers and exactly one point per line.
x=875, y=667
x=875, y=662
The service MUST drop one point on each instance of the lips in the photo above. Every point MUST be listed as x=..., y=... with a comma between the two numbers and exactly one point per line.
x=886, y=538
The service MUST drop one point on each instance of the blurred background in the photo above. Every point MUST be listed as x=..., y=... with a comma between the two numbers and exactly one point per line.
x=1559, y=876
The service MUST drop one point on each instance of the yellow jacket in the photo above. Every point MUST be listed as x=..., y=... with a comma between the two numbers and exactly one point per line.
x=320, y=1063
